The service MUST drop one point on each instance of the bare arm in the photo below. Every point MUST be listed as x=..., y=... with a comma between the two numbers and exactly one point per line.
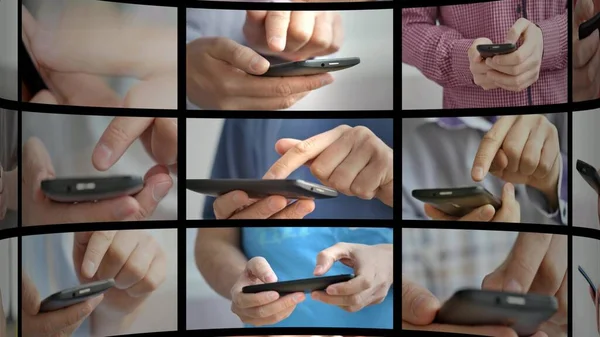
x=219, y=258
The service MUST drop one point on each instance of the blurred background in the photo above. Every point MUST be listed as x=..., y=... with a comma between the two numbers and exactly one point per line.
x=585, y=253
x=9, y=146
x=9, y=283
x=585, y=139
x=8, y=50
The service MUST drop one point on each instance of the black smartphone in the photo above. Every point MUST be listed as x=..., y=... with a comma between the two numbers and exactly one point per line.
x=311, y=67
x=589, y=174
x=298, y=286
x=261, y=188
x=29, y=74
x=91, y=189
x=524, y=313
x=491, y=50
x=457, y=201
x=588, y=279
x=588, y=27
x=72, y=296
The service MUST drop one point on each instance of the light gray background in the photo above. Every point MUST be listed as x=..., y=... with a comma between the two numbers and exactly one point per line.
x=585, y=254
x=8, y=277
x=8, y=50
x=585, y=147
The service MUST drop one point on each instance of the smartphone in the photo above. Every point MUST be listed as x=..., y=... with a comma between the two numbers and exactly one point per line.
x=490, y=50
x=72, y=296
x=588, y=27
x=311, y=67
x=459, y=201
x=298, y=286
x=588, y=279
x=91, y=189
x=589, y=174
x=524, y=313
x=29, y=74
x=261, y=188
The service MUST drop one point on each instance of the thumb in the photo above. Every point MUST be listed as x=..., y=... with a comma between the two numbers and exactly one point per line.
x=327, y=257
x=238, y=56
x=515, y=32
x=510, y=211
x=37, y=166
x=419, y=306
x=30, y=296
x=259, y=268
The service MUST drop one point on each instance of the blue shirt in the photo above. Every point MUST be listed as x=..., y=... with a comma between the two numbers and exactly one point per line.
x=247, y=150
x=292, y=253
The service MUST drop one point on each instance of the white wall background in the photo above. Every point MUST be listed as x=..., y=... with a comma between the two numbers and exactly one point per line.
x=585, y=253
x=418, y=92
x=8, y=50
x=8, y=277
x=585, y=142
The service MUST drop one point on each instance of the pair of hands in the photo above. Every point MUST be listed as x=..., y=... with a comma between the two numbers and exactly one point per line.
x=536, y=264
x=586, y=53
x=159, y=137
x=373, y=267
x=74, y=56
x=133, y=259
x=221, y=74
x=352, y=160
x=522, y=149
x=515, y=71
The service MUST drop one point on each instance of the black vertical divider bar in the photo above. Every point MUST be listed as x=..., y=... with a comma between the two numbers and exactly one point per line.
x=181, y=146
x=570, y=263
x=19, y=175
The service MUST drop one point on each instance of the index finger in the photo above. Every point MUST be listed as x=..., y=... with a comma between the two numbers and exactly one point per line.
x=116, y=139
x=276, y=27
x=583, y=11
x=351, y=287
x=524, y=261
x=97, y=244
x=304, y=151
x=489, y=146
x=244, y=301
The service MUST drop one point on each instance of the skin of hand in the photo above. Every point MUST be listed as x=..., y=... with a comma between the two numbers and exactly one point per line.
x=222, y=74
x=294, y=35
x=158, y=135
x=509, y=212
x=133, y=258
x=39, y=210
x=374, y=270
x=595, y=298
x=522, y=150
x=237, y=205
x=520, y=69
x=419, y=308
x=536, y=264
x=586, y=53
x=61, y=323
x=73, y=58
x=352, y=160
x=264, y=308
x=478, y=67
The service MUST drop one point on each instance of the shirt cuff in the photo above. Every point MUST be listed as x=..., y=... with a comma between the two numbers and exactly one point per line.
x=461, y=65
x=554, y=34
x=541, y=204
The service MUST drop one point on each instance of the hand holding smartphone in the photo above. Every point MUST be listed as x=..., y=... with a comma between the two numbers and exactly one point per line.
x=69, y=190
x=261, y=188
x=311, y=67
x=589, y=174
x=459, y=201
x=303, y=285
x=491, y=50
x=75, y=295
x=588, y=27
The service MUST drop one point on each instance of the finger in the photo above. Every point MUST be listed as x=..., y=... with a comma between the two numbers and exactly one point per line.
x=303, y=152
x=489, y=146
x=243, y=300
x=226, y=205
x=517, y=30
x=532, y=151
x=30, y=296
x=337, y=38
x=322, y=35
x=259, y=268
x=116, y=256
x=525, y=260
x=262, y=209
x=550, y=156
x=499, y=164
x=583, y=11
x=37, y=165
x=327, y=257
x=483, y=213
x=327, y=162
x=154, y=278
x=376, y=179
x=520, y=56
x=157, y=184
x=276, y=28
x=56, y=321
x=300, y=31
x=239, y=56
x=116, y=139
x=561, y=317
x=138, y=262
x=253, y=103
x=81, y=89
x=355, y=286
x=514, y=143
x=553, y=268
x=277, y=87
x=510, y=211
x=419, y=306
x=297, y=210
x=356, y=300
x=515, y=70
x=435, y=214
x=585, y=49
x=273, y=308
x=164, y=141
x=157, y=92
x=95, y=245
x=44, y=97
x=280, y=316
x=512, y=83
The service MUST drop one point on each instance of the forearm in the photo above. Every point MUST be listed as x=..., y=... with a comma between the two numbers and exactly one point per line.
x=554, y=32
x=109, y=323
x=220, y=261
x=12, y=185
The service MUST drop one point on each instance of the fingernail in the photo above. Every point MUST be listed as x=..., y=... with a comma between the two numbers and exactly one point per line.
x=271, y=278
x=513, y=286
x=331, y=290
x=159, y=191
x=255, y=64
x=88, y=269
x=273, y=205
x=298, y=298
x=103, y=154
x=478, y=173
x=277, y=42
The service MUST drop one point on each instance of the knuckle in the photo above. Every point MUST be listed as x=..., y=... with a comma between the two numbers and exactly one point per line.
x=367, y=283
x=304, y=146
x=318, y=170
x=512, y=149
x=283, y=89
x=117, y=255
x=355, y=300
x=319, y=41
x=300, y=34
x=117, y=134
x=261, y=312
x=287, y=102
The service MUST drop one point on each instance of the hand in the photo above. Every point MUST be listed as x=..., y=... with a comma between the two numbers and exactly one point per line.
x=132, y=258
x=478, y=67
x=74, y=57
x=61, y=322
x=39, y=210
x=264, y=308
x=237, y=205
x=510, y=211
x=352, y=160
x=419, y=308
x=536, y=264
x=586, y=54
x=522, y=150
x=221, y=74
x=159, y=136
x=374, y=270
x=518, y=70
x=294, y=35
